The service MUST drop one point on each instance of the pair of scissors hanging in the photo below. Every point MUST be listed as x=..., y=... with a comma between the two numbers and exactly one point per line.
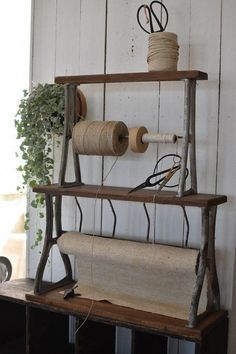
x=168, y=174
x=151, y=16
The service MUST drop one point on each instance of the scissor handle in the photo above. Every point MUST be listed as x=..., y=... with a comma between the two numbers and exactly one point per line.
x=148, y=180
x=162, y=28
x=150, y=18
x=152, y=13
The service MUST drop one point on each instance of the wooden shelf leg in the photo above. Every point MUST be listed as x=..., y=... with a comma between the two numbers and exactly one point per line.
x=69, y=122
x=213, y=290
x=215, y=341
x=49, y=241
x=192, y=145
x=186, y=129
x=201, y=269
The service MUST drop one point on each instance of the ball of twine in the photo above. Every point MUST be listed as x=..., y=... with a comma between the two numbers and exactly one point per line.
x=163, y=51
x=100, y=138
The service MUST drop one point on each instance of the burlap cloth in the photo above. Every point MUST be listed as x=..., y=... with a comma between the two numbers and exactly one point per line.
x=154, y=278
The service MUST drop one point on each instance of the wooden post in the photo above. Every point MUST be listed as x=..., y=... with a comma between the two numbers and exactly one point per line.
x=49, y=241
x=215, y=340
x=184, y=155
x=47, y=244
x=201, y=269
x=192, y=146
x=69, y=122
x=213, y=290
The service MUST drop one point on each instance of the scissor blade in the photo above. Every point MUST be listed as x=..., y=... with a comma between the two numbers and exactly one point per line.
x=140, y=186
x=166, y=179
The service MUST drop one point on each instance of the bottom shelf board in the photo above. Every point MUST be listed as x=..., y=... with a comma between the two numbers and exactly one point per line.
x=15, y=290
x=105, y=312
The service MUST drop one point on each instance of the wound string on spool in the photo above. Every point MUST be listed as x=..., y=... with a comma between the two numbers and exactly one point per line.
x=163, y=51
x=111, y=138
x=139, y=138
x=100, y=138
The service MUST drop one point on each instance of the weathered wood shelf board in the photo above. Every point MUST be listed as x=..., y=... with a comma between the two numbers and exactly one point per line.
x=144, y=195
x=132, y=77
x=24, y=313
x=15, y=290
x=123, y=316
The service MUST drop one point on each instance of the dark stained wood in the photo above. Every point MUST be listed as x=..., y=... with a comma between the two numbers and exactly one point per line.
x=48, y=332
x=132, y=77
x=215, y=342
x=149, y=343
x=50, y=311
x=13, y=317
x=15, y=290
x=127, y=317
x=95, y=338
x=144, y=195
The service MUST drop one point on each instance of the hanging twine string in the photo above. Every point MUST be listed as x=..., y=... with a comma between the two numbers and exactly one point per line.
x=92, y=245
x=100, y=138
x=163, y=51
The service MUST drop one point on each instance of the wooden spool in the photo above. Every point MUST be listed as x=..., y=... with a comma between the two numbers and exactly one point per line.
x=139, y=139
x=81, y=104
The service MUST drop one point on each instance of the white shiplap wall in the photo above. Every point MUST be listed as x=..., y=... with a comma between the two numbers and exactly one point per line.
x=96, y=36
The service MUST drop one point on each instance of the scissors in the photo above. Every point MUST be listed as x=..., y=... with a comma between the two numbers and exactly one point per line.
x=150, y=15
x=169, y=173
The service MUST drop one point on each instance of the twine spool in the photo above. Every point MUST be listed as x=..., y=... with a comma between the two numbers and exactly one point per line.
x=81, y=104
x=100, y=138
x=135, y=139
x=163, y=51
x=159, y=138
x=139, y=139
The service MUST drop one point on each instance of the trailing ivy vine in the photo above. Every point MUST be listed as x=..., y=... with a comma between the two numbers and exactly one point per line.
x=39, y=120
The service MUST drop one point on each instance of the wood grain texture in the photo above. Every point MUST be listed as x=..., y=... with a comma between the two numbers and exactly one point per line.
x=132, y=77
x=15, y=290
x=118, y=315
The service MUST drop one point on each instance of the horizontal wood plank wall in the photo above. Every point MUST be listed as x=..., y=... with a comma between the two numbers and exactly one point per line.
x=70, y=38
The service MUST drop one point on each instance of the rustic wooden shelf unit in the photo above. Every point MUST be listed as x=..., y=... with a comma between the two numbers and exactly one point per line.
x=209, y=332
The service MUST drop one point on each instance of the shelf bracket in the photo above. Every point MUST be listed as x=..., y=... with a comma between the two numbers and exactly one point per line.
x=70, y=120
x=40, y=286
x=189, y=145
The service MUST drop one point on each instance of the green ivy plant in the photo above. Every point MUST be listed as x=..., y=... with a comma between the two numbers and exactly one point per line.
x=38, y=122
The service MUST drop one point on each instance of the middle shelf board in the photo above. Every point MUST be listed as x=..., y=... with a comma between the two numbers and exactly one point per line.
x=143, y=196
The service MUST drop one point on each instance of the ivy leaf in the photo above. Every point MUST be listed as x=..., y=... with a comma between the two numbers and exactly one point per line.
x=38, y=120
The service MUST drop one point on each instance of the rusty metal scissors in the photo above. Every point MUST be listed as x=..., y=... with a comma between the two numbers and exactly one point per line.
x=168, y=174
x=151, y=16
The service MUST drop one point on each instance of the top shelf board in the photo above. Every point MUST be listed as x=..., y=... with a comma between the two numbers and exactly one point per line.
x=144, y=195
x=132, y=77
